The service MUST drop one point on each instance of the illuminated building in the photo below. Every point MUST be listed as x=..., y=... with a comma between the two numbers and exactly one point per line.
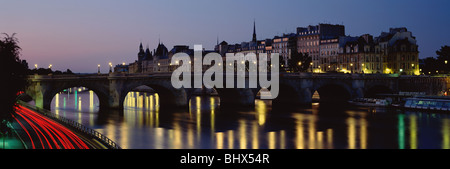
x=399, y=51
x=309, y=38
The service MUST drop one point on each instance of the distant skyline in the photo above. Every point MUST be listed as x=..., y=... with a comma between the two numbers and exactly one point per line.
x=79, y=35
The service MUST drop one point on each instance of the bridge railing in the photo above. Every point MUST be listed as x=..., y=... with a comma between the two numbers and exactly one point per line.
x=86, y=130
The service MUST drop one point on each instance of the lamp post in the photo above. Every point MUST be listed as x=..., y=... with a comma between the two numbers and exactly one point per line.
x=363, y=68
x=98, y=66
x=446, y=68
x=110, y=67
x=351, y=67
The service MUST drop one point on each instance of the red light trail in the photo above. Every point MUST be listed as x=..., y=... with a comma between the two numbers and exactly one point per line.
x=51, y=135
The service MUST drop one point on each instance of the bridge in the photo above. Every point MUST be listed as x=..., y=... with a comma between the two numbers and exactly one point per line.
x=295, y=88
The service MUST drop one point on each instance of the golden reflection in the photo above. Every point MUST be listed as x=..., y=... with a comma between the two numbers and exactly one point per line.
x=312, y=131
x=140, y=100
x=159, y=139
x=198, y=117
x=329, y=138
x=353, y=124
x=146, y=101
x=190, y=136
x=363, y=135
x=170, y=140
x=213, y=129
x=306, y=129
x=255, y=137
x=156, y=116
x=282, y=139
x=446, y=133
x=230, y=139
x=299, y=140
x=261, y=112
x=413, y=131
x=57, y=100
x=157, y=99
x=319, y=140
x=124, y=135
x=271, y=140
x=219, y=138
x=91, y=119
x=242, y=134
x=177, y=139
x=110, y=132
x=91, y=100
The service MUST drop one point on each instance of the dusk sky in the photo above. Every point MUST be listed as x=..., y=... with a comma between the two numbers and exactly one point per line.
x=80, y=34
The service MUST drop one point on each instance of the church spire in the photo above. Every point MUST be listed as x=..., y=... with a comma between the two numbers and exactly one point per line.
x=254, y=31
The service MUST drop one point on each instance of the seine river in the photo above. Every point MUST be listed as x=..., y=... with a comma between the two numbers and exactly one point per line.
x=204, y=125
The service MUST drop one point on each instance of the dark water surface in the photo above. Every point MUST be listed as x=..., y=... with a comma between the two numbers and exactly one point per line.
x=144, y=125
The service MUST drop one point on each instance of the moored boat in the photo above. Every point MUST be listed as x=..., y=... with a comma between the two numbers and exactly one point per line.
x=440, y=103
x=372, y=102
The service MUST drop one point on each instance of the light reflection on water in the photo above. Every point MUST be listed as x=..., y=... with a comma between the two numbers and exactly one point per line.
x=144, y=124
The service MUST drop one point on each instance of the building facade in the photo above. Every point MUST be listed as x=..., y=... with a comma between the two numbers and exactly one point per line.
x=309, y=39
x=399, y=51
x=330, y=50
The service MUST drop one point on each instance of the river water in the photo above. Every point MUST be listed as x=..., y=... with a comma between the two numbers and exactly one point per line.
x=143, y=124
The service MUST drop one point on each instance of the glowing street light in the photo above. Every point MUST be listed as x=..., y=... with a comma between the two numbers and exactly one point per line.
x=110, y=67
x=50, y=66
x=35, y=66
x=98, y=66
x=351, y=65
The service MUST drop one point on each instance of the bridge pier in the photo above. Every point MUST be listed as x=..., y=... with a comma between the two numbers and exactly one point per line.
x=236, y=97
x=39, y=93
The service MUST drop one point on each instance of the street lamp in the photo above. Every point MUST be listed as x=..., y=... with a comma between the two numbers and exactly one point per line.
x=110, y=67
x=363, y=68
x=98, y=66
x=351, y=67
x=35, y=66
x=50, y=66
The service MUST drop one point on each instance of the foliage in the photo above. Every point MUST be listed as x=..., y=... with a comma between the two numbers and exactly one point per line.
x=439, y=64
x=14, y=70
x=299, y=62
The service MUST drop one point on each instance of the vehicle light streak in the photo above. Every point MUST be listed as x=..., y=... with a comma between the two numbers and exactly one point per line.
x=49, y=133
x=26, y=131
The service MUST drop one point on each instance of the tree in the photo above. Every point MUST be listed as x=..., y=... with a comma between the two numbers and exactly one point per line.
x=443, y=59
x=15, y=71
x=299, y=62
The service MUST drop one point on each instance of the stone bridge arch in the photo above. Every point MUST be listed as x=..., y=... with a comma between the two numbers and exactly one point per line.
x=42, y=92
x=168, y=95
x=331, y=90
